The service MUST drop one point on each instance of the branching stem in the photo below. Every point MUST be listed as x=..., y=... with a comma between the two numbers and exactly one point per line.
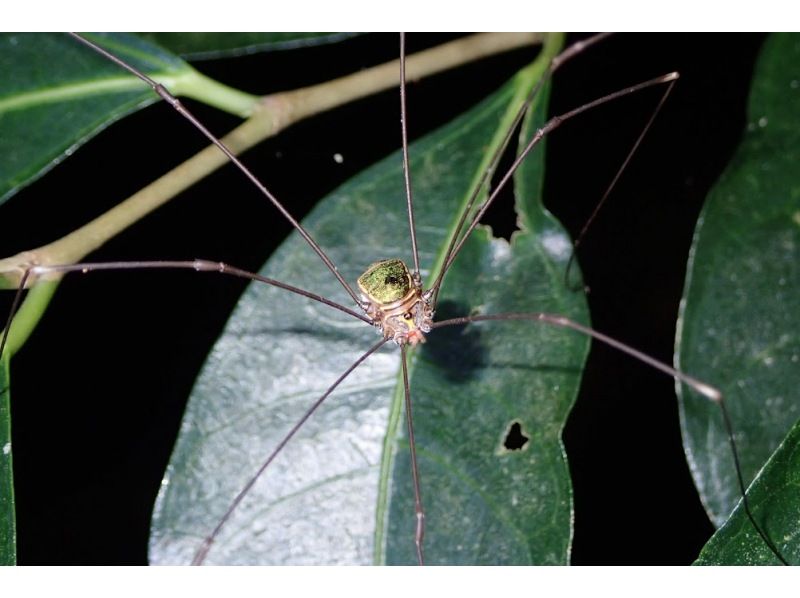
x=273, y=114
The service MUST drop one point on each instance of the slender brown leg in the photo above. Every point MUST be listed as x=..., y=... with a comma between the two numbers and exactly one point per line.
x=419, y=533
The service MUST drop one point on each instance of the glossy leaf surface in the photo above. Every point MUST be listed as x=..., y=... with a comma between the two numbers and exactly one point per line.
x=8, y=541
x=341, y=492
x=773, y=501
x=218, y=45
x=739, y=321
x=54, y=96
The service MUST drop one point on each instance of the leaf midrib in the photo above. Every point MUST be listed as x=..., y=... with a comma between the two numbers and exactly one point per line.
x=88, y=88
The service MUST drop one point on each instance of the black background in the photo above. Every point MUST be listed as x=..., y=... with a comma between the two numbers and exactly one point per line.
x=99, y=389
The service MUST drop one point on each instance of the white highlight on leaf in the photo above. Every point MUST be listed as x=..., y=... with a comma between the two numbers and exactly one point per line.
x=556, y=244
x=501, y=251
x=7, y=448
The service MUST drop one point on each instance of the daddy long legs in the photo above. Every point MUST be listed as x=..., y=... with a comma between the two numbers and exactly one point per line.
x=412, y=121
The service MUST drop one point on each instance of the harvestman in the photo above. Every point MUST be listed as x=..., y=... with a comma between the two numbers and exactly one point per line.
x=393, y=297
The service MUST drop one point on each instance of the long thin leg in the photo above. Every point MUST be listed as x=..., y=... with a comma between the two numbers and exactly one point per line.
x=704, y=389
x=610, y=188
x=164, y=93
x=406, y=170
x=195, y=265
x=198, y=265
x=557, y=62
x=745, y=503
x=419, y=533
x=549, y=126
x=202, y=552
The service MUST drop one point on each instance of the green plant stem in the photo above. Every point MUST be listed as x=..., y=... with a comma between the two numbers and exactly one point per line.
x=29, y=314
x=190, y=83
x=197, y=86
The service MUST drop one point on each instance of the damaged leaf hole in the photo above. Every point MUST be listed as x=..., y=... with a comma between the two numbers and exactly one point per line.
x=502, y=215
x=514, y=438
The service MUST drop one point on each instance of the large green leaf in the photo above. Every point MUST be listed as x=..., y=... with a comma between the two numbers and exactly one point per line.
x=55, y=95
x=739, y=321
x=341, y=491
x=8, y=533
x=773, y=500
x=218, y=45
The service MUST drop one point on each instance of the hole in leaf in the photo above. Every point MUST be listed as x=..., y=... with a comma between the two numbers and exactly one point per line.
x=502, y=214
x=515, y=439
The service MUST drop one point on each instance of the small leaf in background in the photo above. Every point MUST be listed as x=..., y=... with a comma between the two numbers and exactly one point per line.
x=8, y=540
x=740, y=327
x=200, y=46
x=320, y=502
x=773, y=500
x=48, y=111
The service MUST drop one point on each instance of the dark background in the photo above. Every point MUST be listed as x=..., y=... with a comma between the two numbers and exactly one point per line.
x=99, y=389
